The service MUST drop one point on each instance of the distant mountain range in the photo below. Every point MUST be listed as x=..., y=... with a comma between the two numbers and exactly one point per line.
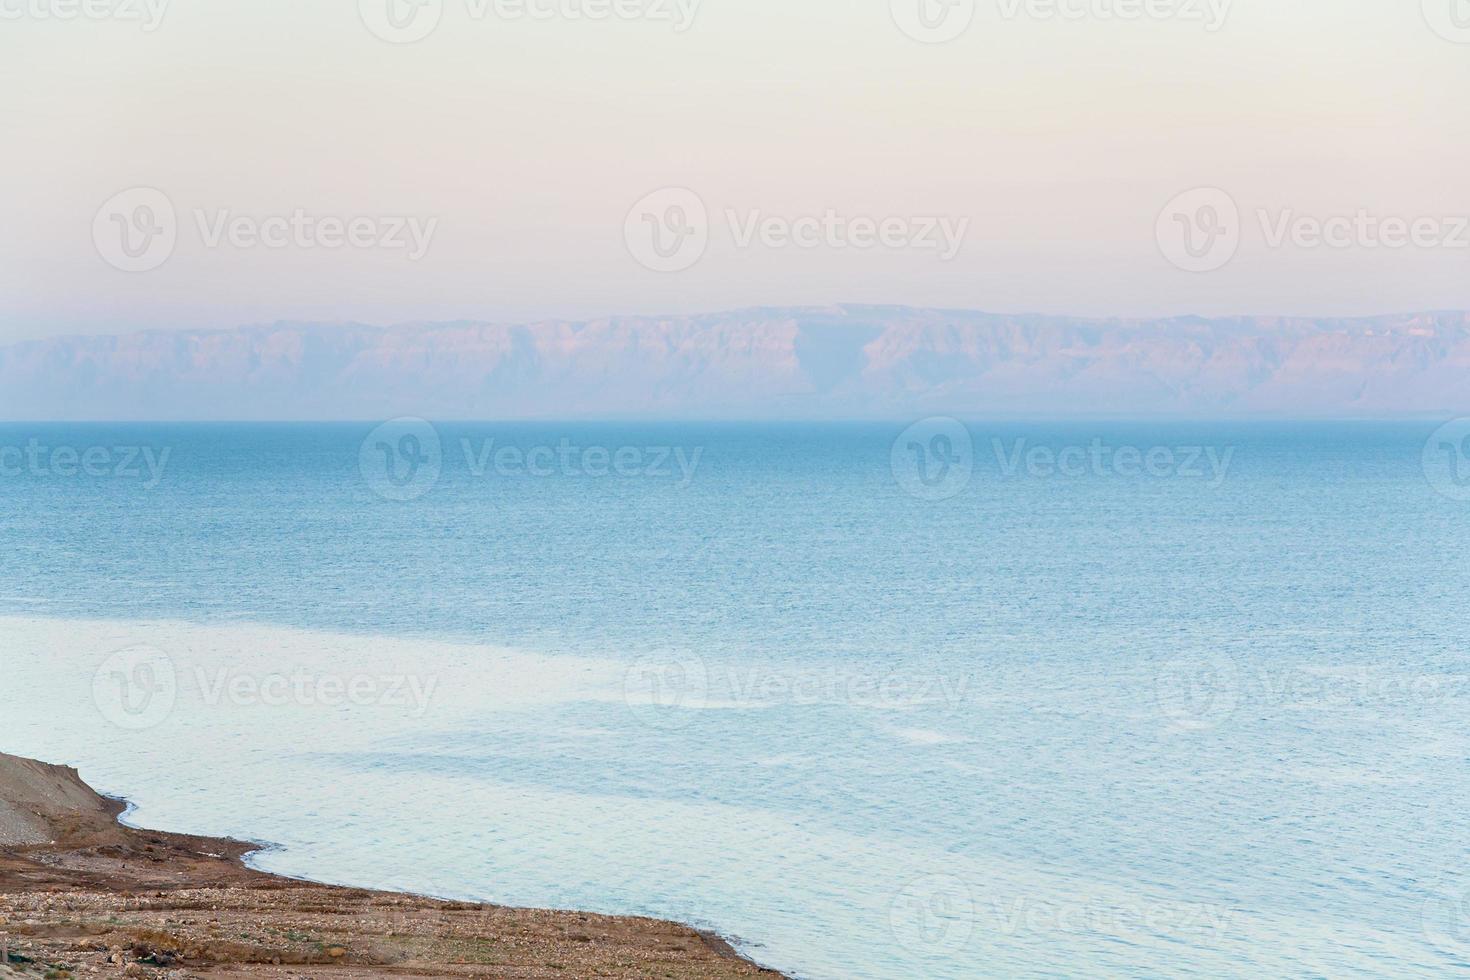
x=799, y=363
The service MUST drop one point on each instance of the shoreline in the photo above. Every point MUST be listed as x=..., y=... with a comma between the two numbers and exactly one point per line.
x=725, y=946
x=722, y=944
x=84, y=892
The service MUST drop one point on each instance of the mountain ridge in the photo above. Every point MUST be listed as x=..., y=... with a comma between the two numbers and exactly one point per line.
x=762, y=362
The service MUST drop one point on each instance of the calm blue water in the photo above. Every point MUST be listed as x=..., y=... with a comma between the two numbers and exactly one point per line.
x=1063, y=712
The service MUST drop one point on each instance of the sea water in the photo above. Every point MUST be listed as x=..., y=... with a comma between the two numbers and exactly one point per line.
x=875, y=701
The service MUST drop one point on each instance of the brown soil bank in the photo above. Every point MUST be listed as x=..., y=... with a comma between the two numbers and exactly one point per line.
x=82, y=895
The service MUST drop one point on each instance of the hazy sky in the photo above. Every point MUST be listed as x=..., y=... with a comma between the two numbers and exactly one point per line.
x=491, y=168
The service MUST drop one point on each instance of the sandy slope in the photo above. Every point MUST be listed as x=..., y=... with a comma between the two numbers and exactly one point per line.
x=81, y=895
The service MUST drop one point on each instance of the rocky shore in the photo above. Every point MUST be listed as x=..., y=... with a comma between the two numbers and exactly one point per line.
x=82, y=895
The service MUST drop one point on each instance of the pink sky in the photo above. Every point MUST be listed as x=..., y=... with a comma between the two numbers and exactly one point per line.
x=1055, y=141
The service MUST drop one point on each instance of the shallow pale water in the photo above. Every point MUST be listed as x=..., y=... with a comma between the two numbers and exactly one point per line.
x=1051, y=714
